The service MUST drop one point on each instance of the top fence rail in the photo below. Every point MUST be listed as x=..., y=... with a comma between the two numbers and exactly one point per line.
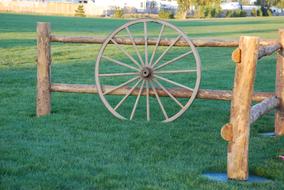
x=163, y=42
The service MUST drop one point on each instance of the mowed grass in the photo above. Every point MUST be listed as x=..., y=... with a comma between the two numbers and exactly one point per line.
x=82, y=146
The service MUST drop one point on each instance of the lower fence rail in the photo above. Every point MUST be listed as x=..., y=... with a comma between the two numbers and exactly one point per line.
x=263, y=107
x=176, y=92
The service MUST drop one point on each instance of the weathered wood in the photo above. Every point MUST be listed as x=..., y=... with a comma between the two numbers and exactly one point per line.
x=43, y=105
x=240, y=109
x=163, y=42
x=279, y=114
x=227, y=132
x=176, y=92
x=263, y=107
x=236, y=55
x=268, y=50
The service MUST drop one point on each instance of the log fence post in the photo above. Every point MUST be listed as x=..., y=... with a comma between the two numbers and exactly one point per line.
x=279, y=90
x=43, y=105
x=237, y=167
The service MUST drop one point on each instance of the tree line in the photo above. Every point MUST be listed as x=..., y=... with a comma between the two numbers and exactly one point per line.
x=211, y=8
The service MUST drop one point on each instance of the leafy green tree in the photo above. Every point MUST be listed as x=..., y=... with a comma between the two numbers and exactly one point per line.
x=80, y=11
x=207, y=8
x=183, y=7
x=118, y=13
x=203, y=8
x=269, y=3
x=164, y=14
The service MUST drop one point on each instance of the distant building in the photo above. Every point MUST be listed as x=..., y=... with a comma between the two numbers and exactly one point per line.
x=230, y=6
x=92, y=7
x=105, y=7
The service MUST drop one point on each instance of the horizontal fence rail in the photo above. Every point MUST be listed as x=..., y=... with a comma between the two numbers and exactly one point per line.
x=263, y=107
x=176, y=92
x=163, y=42
x=268, y=50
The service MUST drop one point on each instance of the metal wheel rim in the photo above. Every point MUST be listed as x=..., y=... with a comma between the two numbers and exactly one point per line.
x=183, y=35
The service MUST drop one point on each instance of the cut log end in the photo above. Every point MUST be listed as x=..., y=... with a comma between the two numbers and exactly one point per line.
x=227, y=132
x=236, y=55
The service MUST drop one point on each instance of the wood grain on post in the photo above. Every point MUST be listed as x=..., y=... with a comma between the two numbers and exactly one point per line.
x=240, y=108
x=43, y=105
x=176, y=92
x=279, y=114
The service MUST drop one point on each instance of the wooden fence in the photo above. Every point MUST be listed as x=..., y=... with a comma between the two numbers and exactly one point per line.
x=249, y=50
x=45, y=8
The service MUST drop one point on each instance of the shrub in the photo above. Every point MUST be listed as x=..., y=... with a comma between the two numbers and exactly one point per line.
x=199, y=12
x=166, y=14
x=80, y=11
x=229, y=13
x=253, y=12
x=215, y=12
x=118, y=13
x=236, y=13
x=259, y=12
x=207, y=12
x=266, y=11
x=269, y=12
x=243, y=13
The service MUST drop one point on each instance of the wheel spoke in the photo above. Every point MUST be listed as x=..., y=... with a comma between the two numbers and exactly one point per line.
x=174, y=83
x=117, y=74
x=159, y=101
x=164, y=53
x=175, y=71
x=146, y=43
x=173, y=60
x=147, y=101
x=127, y=95
x=123, y=84
x=170, y=95
x=134, y=45
x=156, y=46
x=119, y=63
x=125, y=52
x=137, y=100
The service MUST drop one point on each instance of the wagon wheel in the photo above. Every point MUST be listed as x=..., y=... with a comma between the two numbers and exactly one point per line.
x=147, y=69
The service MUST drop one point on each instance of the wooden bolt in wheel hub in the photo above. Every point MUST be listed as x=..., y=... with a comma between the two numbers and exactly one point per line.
x=148, y=71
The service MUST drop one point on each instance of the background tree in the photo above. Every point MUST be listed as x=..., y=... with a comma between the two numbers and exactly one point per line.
x=269, y=3
x=203, y=8
x=183, y=8
x=207, y=8
x=80, y=11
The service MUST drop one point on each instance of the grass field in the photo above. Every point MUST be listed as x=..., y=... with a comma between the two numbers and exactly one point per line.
x=82, y=146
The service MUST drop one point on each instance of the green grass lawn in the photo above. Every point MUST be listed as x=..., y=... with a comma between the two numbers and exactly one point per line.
x=82, y=146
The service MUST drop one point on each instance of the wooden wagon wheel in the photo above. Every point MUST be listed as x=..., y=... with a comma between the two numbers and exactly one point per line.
x=146, y=72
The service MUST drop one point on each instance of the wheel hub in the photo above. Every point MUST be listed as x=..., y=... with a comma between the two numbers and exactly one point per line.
x=146, y=72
